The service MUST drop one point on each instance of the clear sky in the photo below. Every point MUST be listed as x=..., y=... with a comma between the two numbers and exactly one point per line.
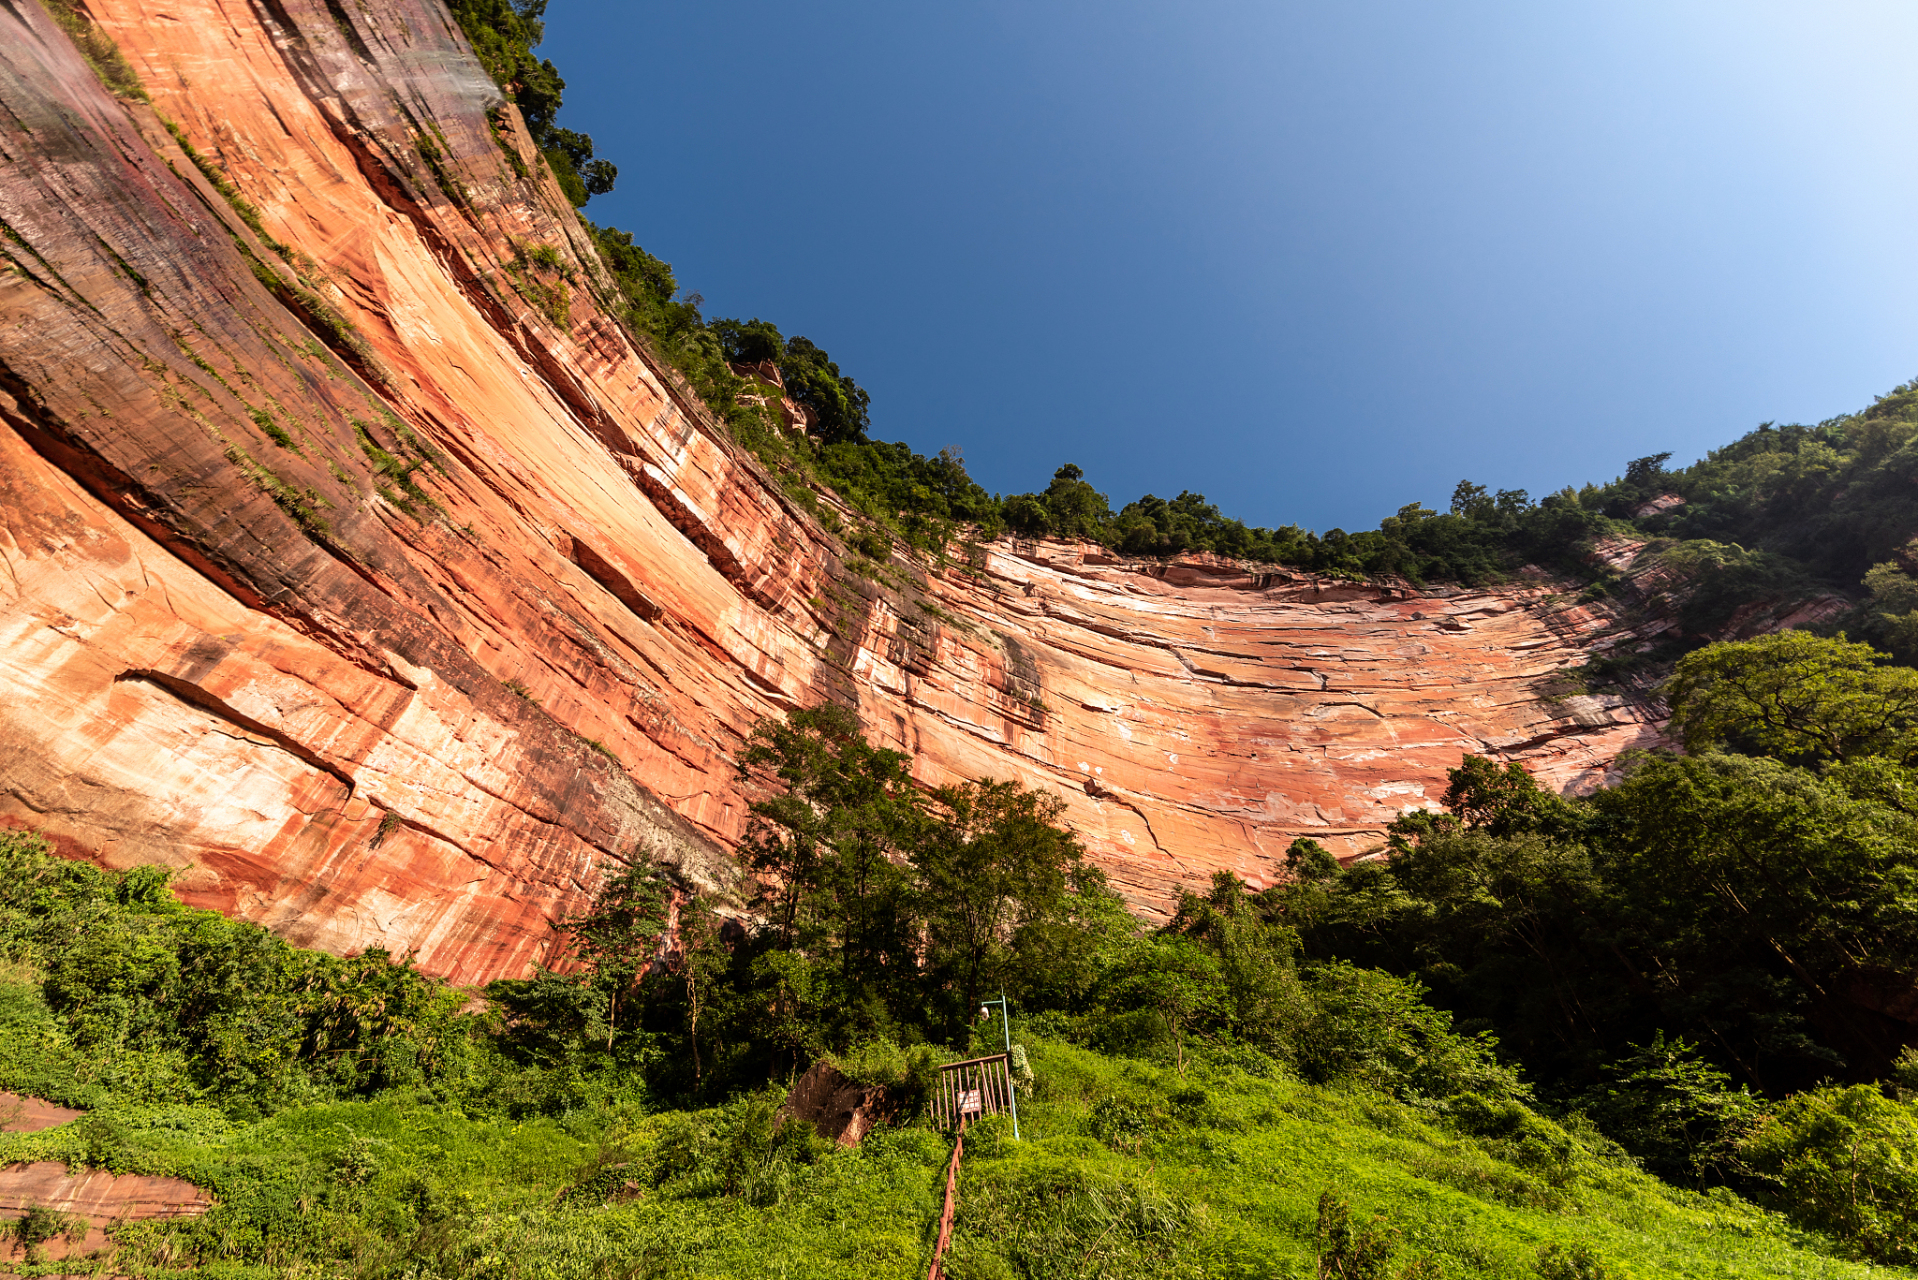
x=1314, y=260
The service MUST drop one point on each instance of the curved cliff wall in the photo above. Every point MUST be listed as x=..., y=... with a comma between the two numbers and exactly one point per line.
x=396, y=631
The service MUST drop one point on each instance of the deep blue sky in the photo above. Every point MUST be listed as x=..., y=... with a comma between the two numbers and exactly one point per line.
x=1314, y=260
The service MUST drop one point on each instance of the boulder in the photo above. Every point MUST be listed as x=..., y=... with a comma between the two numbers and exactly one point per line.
x=840, y=1109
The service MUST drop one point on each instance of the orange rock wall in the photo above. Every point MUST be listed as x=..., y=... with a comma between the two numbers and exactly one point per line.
x=231, y=642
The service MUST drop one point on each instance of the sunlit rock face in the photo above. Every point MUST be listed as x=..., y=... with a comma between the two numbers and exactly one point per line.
x=233, y=640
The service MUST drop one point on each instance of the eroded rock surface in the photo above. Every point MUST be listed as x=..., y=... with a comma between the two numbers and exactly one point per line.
x=234, y=641
x=21, y=1114
x=95, y=1200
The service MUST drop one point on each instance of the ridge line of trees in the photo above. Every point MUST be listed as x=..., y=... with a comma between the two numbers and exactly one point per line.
x=1782, y=513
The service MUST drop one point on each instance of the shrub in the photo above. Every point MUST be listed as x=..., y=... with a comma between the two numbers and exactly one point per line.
x=1376, y=1029
x=1556, y=1262
x=1840, y=1158
x=1675, y=1111
x=40, y=1224
x=1348, y=1250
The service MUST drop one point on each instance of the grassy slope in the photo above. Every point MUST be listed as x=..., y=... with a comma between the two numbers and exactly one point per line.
x=1215, y=1174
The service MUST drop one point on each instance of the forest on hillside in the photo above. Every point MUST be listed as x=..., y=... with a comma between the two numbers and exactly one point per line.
x=1667, y=1029
x=1662, y=1030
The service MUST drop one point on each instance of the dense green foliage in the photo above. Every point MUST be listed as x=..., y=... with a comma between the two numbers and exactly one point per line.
x=1842, y=1158
x=504, y=34
x=143, y=999
x=1128, y=1169
x=882, y=912
x=1205, y=1093
x=1798, y=698
x=808, y=375
x=352, y=1121
x=1782, y=512
x=1833, y=497
x=1748, y=912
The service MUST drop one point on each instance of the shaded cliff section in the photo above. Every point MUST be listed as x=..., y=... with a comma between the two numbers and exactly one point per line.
x=359, y=565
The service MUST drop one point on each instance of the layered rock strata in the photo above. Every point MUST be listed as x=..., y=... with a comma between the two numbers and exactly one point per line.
x=362, y=567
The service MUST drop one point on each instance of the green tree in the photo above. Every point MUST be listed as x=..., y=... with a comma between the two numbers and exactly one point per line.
x=829, y=845
x=1894, y=605
x=1679, y=1114
x=752, y=341
x=1028, y=514
x=1377, y=1029
x=812, y=379
x=996, y=862
x=619, y=937
x=1309, y=861
x=700, y=968
x=1505, y=802
x=1075, y=508
x=1840, y=1159
x=1176, y=978
x=1797, y=697
x=569, y=154
x=504, y=34
x=1058, y=960
x=1775, y=905
x=1502, y=926
x=1263, y=1002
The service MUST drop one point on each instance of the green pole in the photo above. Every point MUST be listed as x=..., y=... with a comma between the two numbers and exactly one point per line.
x=1005, y=1025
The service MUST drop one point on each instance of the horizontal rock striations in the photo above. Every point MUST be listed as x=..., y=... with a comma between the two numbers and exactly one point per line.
x=364, y=569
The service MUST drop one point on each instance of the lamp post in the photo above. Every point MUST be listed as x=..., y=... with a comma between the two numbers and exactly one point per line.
x=1005, y=1023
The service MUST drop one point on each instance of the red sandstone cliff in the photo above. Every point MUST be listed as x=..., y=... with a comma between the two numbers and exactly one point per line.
x=231, y=640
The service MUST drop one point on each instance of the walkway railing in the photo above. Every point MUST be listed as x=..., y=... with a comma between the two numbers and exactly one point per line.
x=971, y=1089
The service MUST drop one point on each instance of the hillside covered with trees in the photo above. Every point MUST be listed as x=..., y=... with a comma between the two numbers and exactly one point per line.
x=1667, y=1029
x=1663, y=1030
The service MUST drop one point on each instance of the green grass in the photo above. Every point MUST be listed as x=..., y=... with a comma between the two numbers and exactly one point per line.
x=1217, y=1173
x=356, y=1118
x=102, y=55
x=304, y=505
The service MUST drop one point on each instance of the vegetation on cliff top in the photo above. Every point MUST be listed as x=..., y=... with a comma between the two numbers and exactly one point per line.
x=1651, y=1032
x=1542, y=1037
x=1783, y=513
x=504, y=34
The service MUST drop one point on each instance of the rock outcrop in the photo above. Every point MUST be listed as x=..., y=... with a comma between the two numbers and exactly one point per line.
x=364, y=569
x=91, y=1202
x=841, y=1110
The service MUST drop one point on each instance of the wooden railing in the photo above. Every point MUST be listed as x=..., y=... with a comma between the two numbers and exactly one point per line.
x=971, y=1089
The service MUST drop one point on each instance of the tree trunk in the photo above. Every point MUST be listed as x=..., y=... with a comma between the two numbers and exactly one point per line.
x=692, y=1002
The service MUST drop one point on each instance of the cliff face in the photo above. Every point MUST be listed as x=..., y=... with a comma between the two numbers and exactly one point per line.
x=386, y=589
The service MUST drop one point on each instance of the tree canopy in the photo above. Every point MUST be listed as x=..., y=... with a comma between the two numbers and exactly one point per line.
x=1798, y=697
